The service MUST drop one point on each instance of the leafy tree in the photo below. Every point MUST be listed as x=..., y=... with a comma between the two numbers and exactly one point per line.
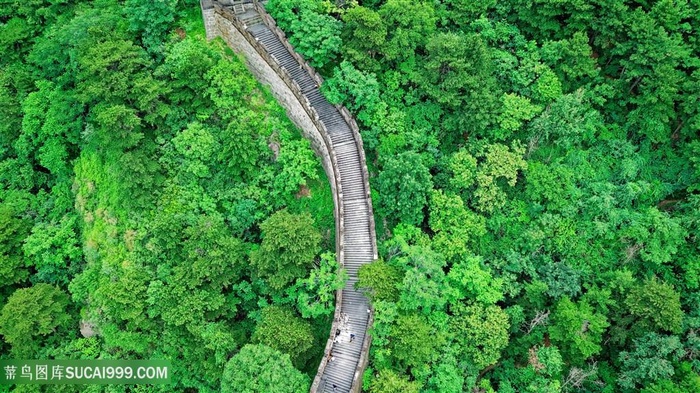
x=549, y=361
x=404, y=183
x=561, y=279
x=569, y=121
x=312, y=32
x=54, y=249
x=447, y=377
x=364, y=33
x=572, y=57
x=499, y=162
x=24, y=20
x=195, y=145
x=31, y=313
x=186, y=64
x=651, y=360
x=414, y=341
x=388, y=381
x=13, y=229
x=280, y=329
x=203, y=261
x=409, y=24
x=668, y=386
x=250, y=149
x=656, y=305
x=151, y=21
x=286, y=12
x=462, y=166
x=461, y=12
x=225, y=92
x=317, y=37
x=298, y=167
x=481, y=332
x=454, y=225
x=115, y=71
x=380, y=281
x=516, y=111
x=316, y=294
x=458, y=74
x=577, y=329
x=552, y=185
x=357, y=90
x=423, y=288
x=290, y=244
x=50, y=129
x=655, y=234
x=527, y=379
x=472, y=281
x=258, y=369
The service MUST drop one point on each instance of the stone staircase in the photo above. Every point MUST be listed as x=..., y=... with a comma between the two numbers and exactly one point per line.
x=345, y=356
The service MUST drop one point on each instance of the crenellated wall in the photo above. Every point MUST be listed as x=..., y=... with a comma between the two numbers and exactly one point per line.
x=208, y=17
x=221, y=21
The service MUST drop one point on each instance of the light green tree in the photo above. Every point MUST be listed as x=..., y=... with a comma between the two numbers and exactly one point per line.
x=414, y=342
x=32, y=313
x=316, y=293
x=455, y=226
x=499, y=163
x=380, y=281
x=656, y=305
x=471, y=280
x=577, y=329
x=364, y=33
x=261, y=369
x=516, y=111
x=480, y=331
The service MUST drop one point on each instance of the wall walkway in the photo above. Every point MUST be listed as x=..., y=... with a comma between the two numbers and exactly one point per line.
x=249, y=30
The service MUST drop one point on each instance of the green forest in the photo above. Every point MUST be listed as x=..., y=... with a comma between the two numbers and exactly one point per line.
x=156, y=198
x=535, y=174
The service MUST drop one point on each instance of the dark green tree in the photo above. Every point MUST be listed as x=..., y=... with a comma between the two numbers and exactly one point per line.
x=279, y=328
x=289, y=246
x=651, y=360
x=13, y=230
x=458, y=75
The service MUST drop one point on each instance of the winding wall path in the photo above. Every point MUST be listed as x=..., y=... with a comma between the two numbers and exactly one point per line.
x=250, y=31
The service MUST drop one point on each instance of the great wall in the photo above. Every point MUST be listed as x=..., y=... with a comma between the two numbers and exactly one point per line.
x=250, y=31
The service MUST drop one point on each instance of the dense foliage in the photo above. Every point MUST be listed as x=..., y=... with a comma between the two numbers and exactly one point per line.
x=535, y=175
x=155, y=201
x=536, y=179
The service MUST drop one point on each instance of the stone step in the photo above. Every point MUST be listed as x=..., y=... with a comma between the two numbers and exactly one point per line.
x=357, y=237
